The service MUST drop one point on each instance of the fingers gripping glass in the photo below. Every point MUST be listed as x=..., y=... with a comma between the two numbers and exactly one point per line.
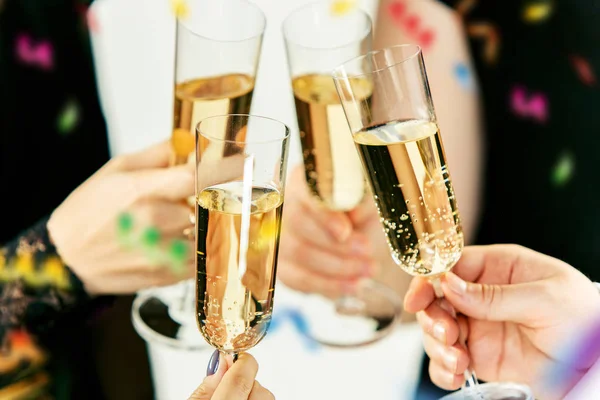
x=241, y=168
x=316, y=41
x=396, y=133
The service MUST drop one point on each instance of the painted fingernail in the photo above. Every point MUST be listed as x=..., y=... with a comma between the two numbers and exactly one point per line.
x=213, y=363
x=450, y=360
x=456, y=284
x=439, y=332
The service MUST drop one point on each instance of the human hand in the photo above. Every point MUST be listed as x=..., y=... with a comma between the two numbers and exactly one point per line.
x=84, y=227
x=324, y=251
x=233, y=381
x=516, y=316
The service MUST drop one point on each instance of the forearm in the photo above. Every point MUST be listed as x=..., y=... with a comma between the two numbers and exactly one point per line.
x=456, y=99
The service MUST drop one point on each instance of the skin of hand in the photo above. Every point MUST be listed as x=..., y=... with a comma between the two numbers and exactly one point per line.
x=324, y=251
x=517, y=310
x=84, y=227
x=233, y=381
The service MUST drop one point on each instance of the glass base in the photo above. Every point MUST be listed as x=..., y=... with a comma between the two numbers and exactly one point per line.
x=363, y=318
x=494, y=391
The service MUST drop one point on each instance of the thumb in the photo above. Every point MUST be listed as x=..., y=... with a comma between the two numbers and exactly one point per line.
x=175, y=183
x=487, y=302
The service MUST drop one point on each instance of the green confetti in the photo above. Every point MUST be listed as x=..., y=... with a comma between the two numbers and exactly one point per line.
x=68, y=118
x=178, y=250
x=563, y=170
x=125, y=223
x=151, y=237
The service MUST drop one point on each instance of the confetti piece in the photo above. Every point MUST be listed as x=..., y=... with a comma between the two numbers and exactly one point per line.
x=464, y=75
x=584, y=70
x=489, y=34
x=341, y=7
x=92, y=21
x=180, y=8
x=39, y=54
x=526, y=105
x=563, y=170
x=183, y=142
x=68, y=118
x=538, y=11
x=125, y=223
x=178, y=250
x=151, y=237
x=411, y=24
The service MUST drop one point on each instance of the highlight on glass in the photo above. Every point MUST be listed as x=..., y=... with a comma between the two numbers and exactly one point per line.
x=398, y=139
x=218, y=46
x=318, y=39
x=240, y=179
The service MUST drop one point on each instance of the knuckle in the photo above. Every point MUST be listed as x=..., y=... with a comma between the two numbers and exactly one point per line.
x=242, y=385
x=201, y=393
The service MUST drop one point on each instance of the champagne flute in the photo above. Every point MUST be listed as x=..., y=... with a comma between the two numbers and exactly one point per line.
x=241, y=169
x=398, y=140
x=217, y=49
x=218, y=45
x=317, y=40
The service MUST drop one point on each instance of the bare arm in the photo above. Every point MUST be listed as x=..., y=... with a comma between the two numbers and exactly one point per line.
x=457, y=108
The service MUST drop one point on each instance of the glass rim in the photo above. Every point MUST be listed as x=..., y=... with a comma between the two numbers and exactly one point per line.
x=363, y=36
x=263, y=22
x=340, y=73
x=283, y=138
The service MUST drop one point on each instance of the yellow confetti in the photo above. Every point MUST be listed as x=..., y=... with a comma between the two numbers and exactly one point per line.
x=537, y=12
x=341, y=7
x=180, y=8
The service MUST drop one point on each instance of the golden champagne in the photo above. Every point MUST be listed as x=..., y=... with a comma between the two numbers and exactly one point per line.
x=332, y=167
x=206, y=97
x=236, y=266
x=407, y=171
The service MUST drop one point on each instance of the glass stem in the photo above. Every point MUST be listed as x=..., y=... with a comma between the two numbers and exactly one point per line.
x=471, y=386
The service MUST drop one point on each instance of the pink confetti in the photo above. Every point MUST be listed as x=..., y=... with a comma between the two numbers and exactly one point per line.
x=529, y=105
x=411, y=23
x=39, y=54
x=584, y=70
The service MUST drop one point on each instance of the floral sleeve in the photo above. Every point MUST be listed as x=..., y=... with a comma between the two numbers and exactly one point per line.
x=36, y=287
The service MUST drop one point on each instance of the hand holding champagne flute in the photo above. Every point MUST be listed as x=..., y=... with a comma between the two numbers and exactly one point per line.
x=316, y=41
x=240, y=189
x=398, y=140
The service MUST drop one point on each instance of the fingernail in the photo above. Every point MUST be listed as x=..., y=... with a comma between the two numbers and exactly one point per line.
x=213, y=363
x=360, y=247
x=456, y=284
x=439, y=332
x=450, y=360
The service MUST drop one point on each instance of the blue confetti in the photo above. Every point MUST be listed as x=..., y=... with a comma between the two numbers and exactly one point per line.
x=298, y=321
x=464, y=76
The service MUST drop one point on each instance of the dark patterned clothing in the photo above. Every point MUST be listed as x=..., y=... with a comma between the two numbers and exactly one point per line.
x=536, y=62
x=52, y=138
